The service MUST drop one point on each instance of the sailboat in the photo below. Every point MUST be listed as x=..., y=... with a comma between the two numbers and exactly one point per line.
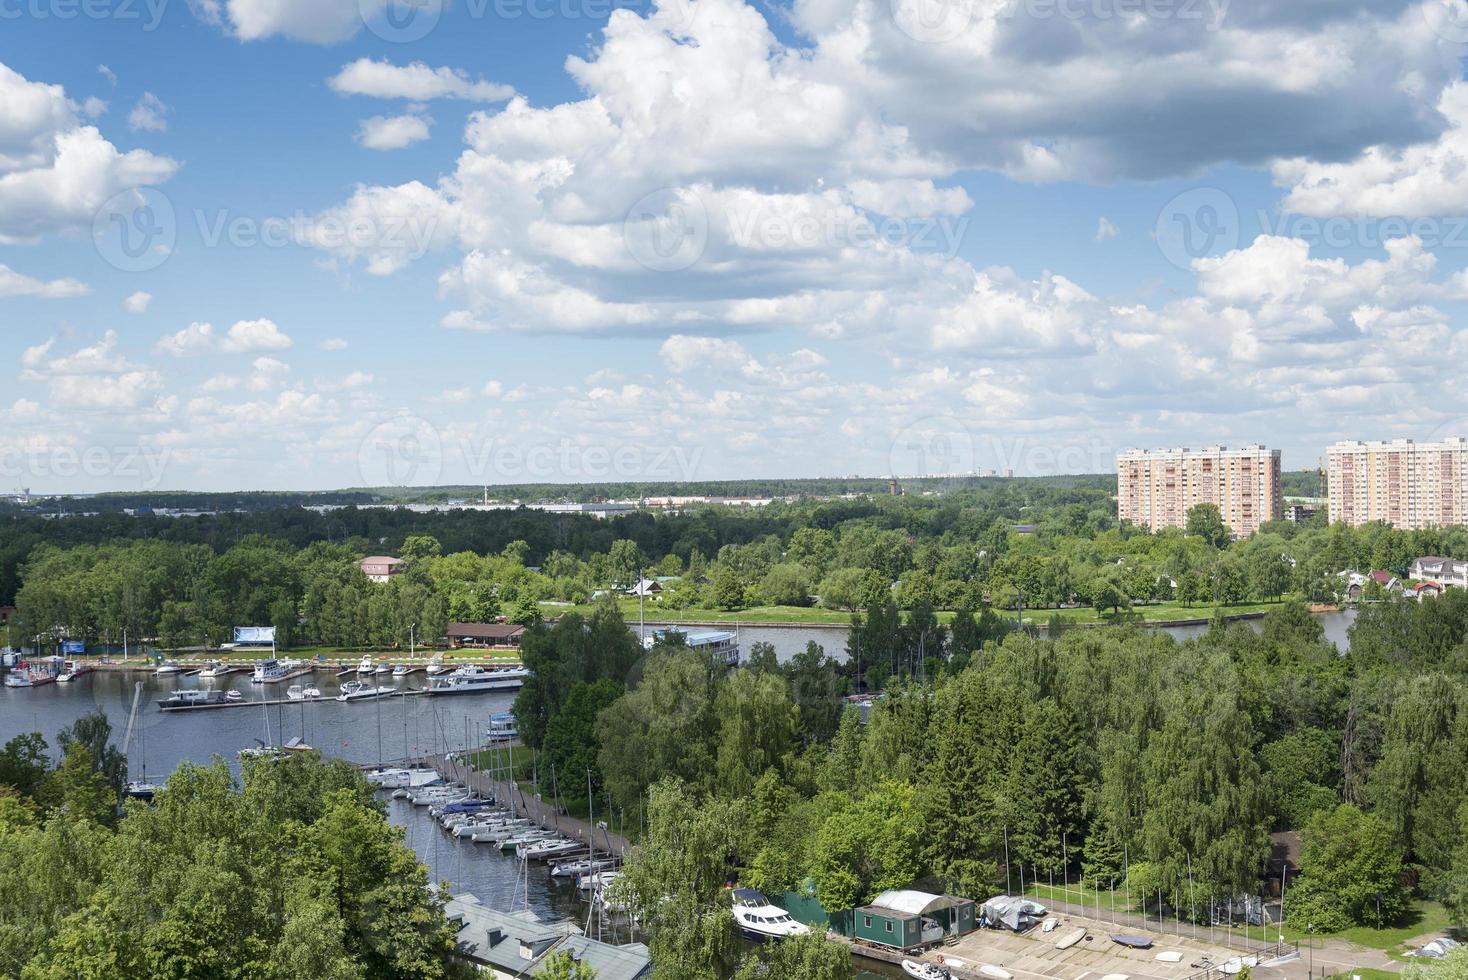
x=138, y=789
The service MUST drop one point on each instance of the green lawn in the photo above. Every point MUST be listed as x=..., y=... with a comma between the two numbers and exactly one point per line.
x=656, y=612
x=1422, y=917
x=1367, y=973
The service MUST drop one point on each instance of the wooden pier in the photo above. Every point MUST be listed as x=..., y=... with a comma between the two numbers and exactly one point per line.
x=511, y=795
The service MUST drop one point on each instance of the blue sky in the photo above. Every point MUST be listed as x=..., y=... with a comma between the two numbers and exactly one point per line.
x=705, y=239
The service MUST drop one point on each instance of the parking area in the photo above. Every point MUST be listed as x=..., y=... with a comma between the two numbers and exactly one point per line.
x=1034, y=954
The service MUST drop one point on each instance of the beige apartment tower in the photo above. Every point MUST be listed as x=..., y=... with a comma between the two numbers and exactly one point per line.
x=1155, y=488
x=1410, y=485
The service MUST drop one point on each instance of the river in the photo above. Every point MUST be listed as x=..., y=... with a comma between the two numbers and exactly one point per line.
x=789, y=640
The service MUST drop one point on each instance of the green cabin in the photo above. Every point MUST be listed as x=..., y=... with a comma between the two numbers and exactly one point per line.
x=897, y=919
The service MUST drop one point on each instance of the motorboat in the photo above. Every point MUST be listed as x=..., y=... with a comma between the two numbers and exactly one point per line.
x=436, y=665
x=261, y=751
x=233, y=696
x=367, y=666
x=597, y=881
x=474, y=679
x=925, y=971
x=269, y=671
x=180, y=700
x=168, y=667
x=383, y=669
x=363, y=691
x=215, y=668
x=514, y=842
x=552, y=848
x=140, y=789
x=761, y=921
x=502, y=727
x=401, y=778
x=71, y=670
x=576, y=870
x=298, y=693
x=19, y=677
x=401, y=670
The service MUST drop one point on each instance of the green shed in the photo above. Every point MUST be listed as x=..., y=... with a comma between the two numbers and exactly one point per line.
x=887, y=927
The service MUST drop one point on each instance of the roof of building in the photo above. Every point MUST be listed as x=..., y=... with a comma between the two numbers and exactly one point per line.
x=915, y=902
x=511, y=941
x=381, y=560
x=1385, y=578
x=630, y=962
x=1420, y=586
x=484, y=631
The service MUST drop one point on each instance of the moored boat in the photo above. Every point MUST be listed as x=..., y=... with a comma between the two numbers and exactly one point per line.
x=759, y=920
x=269, y=671
x=363, y=691
x=925, y=971
x=474, y=679
x=181, y=700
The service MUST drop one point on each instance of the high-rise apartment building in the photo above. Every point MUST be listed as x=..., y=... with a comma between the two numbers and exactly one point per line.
x=1156, y=488
x=1407, y=484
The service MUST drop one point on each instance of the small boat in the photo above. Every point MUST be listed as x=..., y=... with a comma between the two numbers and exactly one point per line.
x=555, y=847
x=997, y=972
x=168, y=667
x=401, y=778
x=298, y=744
x=1050, y=924
x=214, y=668
x=436, y=665
x=261, y=751
x=366, y=666
x=383, y=669
x=580, y=869
x=140, y=789
x=925, y=971
x=269, y=671
x=401, y=670
x=1170, y=956
x=1070, y=939
x=362, y=691
x=593, y=882
x=759, y=920
x=18, y=677
x=233, y=696
x=502, y=727
x=71, y=670
x=1133, y=942
x=191, y=699
x=298, y=693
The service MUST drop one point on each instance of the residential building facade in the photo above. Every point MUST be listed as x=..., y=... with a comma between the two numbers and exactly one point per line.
x=1155, y=488
x=380, y=568
x=1409, y=485
x=1446, y=571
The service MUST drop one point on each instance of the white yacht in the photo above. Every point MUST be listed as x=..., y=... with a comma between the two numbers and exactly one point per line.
x=474, y=679
x=401, y=670
x=168, y=667
x=215, y=668
x=760, y=921
x=436, y=665
x=383, y=669
x=502, y=727
x=552, y=848
x=363, y=691
x=367, y=666
x=269, y=671
x=298, y=693
x=401, y=778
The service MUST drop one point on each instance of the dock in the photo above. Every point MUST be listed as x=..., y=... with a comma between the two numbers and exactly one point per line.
x=257, y=702
x=512, y=796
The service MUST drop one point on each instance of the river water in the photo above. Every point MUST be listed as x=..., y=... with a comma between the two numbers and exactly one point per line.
x=789, y=640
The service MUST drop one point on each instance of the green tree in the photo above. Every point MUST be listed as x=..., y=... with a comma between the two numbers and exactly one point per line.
x=1206, y=521
x=808, y=957
x=1350, y=873
x=563, y=966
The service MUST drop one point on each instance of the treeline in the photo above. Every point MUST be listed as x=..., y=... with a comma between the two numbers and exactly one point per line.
x=902, y=560
x=1118, y=757
x=291, y=871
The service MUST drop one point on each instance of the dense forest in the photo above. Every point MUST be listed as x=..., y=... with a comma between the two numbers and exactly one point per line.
x=190, y=580
x=1118, y=757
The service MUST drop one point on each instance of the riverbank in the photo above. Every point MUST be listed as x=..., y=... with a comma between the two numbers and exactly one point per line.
x=1162, y=614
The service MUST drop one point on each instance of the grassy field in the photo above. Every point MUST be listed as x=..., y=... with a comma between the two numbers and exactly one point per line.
x=656, y=612
x=1423, y=917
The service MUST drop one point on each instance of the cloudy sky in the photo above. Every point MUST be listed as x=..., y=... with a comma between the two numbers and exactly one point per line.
x=322, y=243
